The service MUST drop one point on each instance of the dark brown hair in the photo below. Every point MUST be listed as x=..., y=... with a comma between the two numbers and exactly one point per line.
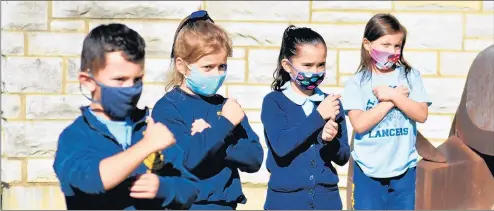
x=107, y=38
x=293, y=37
x=380, y=25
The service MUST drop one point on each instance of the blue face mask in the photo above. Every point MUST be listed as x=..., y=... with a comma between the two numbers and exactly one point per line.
x=202, y=84
x=119, y=102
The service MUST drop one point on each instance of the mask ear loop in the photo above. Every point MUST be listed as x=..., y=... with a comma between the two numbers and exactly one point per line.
x=83, y=94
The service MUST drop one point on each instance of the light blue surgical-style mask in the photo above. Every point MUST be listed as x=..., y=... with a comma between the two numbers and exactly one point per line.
x=202, y=84
x=118, y=102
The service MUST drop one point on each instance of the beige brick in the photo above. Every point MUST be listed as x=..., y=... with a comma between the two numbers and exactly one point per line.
x=236, y=71
x=33, y=198
x=51, y=43
x=135, y=9
x=11, y=106
x=437, y=5
x=444, y=102
x=158, y=41
x=73, y=68
x=436, y=127
x=344, y=79
x=480, y=25
x=456, y=63
x=25, y=15
x=488, y=5
x=477, y=45
x=340, y=36
x=249, y=96
x=12, y=43
x=422, y=28
x=40, y=75
x=260, y=177
x=256, y=10
x=342, y=17
x=32, y=138
x=368, y=5
x=222, y=91
x=150, y=95
x=40, y=170
x=238, y=53
x=254, y=116
x=255, y=34
x=331, y=68
x=54, y=106
x=57, y=25
x=349, y=61
x=73, y=88
x=262, y=63
x=255, y=198
x=11, y=170
x=425, y=62
x=259, y=130
x=156, y=70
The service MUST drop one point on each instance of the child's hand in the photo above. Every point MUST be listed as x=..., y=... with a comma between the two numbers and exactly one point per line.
x=384, y=93
x=145, y=187
x=233, y=111
x=329, y=131
x=198, y=126
x=158, y=136
x=403, y=90
x=329, y=108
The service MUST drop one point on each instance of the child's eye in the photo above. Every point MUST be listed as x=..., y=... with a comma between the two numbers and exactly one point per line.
x=138, y=80
x=120, y=79
x=223, y=67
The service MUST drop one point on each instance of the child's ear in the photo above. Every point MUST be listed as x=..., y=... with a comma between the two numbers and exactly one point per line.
x=286, y=66
x=366, y=45
x=181, y=66
x=87, y=81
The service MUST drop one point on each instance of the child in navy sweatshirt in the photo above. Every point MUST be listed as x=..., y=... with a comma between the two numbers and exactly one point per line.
x=213, y=132
x=99, y=160
x=305, y=128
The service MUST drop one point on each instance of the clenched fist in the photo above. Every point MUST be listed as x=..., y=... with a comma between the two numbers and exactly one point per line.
x=329, y=108
x=233, y=111
x=329, y=131
x=145, y=187
x=198, y=126
x=158, y=136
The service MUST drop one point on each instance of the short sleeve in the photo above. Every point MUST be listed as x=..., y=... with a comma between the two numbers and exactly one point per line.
x=351, y=96
x=417, y=90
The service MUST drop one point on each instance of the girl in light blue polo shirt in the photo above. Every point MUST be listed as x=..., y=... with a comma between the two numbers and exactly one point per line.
x=384, y=100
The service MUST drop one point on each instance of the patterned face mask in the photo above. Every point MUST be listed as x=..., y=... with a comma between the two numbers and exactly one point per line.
x=202, y=84
x=384, y=60
x=308, y=80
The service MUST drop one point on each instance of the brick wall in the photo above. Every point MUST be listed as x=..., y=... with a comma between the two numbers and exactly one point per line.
x=41, y=43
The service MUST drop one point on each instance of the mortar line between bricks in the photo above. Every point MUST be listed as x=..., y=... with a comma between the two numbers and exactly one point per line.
x=246, y=65
x=481, y=5
x=337, y=74
x=352, y=10
x=64, y=75
x=49, y=14
x=310, y=10
x=86, y=26
x=26, y=45
x=204, y=5
x=23, y=107
x=23, y=171
x=464, y=30
x=393, y=5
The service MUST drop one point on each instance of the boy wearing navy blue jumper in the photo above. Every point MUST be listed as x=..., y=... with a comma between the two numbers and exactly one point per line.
x=99, y=160
x=305, y=128
x=213, y=132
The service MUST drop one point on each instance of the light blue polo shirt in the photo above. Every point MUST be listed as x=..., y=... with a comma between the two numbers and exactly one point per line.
x=121, y=130
x=307, y=102
x=388, y=149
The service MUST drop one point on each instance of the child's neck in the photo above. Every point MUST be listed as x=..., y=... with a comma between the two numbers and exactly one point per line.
x=186, y=89
x=300, y=91
x=98, y=111
x=382, y=72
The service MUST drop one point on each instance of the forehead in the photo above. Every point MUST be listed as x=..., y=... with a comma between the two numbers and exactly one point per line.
x=311, y=52
x=391, y=38
x=116, y=64
x=214, y=58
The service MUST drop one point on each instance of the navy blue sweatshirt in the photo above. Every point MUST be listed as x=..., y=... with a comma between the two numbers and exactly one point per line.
x=302, y=176
x=216, y=154
x=87, y=141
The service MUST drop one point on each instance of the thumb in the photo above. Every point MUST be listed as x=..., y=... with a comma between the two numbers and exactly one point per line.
x=149, y=121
